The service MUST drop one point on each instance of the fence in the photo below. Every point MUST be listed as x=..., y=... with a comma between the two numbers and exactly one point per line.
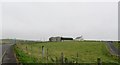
x=45, y=57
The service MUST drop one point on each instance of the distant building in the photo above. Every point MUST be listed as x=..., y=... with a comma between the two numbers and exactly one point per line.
x=58, y=39
x=79, y=38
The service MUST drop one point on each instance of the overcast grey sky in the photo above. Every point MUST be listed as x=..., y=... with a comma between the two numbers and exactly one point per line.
x=60, y=0
x=39, y=21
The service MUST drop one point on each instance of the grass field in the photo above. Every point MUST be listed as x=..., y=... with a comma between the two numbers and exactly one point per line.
x=5, y=41
x=73, y=51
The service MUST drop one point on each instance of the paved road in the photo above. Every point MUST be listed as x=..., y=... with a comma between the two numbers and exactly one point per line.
x=8, y=53
x=3, y=48
x=2, y=51
x=113, y=49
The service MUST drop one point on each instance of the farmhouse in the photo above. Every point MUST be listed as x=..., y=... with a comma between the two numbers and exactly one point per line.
x=58, y=39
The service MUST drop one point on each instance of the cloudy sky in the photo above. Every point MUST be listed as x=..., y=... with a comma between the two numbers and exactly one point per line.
x=41, y=20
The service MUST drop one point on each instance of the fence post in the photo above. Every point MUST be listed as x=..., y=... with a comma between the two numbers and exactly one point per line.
x=99, y=61
x=31, y=52
x=62, y=58
x=26, y=50
x=42, y=52
x=31, y=49
x=47, y=55
x=66, y=60
x=39, y=51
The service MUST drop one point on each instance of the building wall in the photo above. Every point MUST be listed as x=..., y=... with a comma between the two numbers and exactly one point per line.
x=58, y=39
x=55, y=39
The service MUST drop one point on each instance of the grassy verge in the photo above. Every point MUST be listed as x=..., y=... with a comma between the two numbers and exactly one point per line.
x=74, y=51
x=117, y=44
x=23, y=57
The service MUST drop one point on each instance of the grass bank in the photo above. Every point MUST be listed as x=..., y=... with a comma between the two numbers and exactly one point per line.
x=73, y=51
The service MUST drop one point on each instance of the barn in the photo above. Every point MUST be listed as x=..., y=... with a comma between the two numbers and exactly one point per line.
x=59, y=39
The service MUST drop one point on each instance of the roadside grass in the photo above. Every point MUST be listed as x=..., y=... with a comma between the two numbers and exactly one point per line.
x=21, y=56
x=117, y=44
x=87, y=52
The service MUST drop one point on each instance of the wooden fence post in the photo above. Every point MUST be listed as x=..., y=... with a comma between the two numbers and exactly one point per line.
x=66, y=60
x=26, y=50
x=99, y=61
x=31, y=51
x=39, y=51
x=42, y=52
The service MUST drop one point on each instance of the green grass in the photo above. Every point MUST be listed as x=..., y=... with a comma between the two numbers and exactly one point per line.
x=88, y=52
x=11, y=41
x=117, y=45
x=6, y=41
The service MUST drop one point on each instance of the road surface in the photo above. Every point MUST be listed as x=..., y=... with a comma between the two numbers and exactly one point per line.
x=8, y=56
x=113, y=50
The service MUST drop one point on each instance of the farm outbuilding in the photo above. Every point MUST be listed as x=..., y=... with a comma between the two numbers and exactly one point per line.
x=80, y=38
x=58, y=39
